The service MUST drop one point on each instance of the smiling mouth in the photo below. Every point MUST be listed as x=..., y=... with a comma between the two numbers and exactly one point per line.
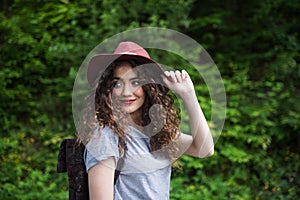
x=128, y=102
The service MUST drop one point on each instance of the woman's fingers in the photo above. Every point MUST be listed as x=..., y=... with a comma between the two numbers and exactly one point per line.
x=176, y=76
x=184, y=75
x=177, y=81
x=172, y=76
x=167, y=73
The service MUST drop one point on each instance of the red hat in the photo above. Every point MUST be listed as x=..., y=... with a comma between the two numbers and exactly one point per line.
x=125, y=51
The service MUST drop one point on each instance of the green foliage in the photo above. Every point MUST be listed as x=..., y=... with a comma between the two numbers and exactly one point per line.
x=255, y=45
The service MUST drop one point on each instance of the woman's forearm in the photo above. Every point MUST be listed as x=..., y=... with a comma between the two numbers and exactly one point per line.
x=202, y=144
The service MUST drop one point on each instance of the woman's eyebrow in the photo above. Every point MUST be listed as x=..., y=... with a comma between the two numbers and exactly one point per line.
x=133, y=78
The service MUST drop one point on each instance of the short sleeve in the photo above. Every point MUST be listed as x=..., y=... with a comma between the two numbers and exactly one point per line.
x=103, y=145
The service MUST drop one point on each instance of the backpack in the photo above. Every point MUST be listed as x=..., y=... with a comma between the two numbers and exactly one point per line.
x=70, y=160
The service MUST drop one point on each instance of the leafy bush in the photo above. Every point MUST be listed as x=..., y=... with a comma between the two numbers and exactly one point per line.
x=254, y=43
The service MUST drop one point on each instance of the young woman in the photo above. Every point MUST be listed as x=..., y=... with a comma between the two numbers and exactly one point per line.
x=138, y=126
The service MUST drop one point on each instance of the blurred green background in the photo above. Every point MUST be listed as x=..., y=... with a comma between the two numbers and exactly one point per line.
x=255, y=45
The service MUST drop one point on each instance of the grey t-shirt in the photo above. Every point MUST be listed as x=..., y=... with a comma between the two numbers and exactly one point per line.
x=143, y=176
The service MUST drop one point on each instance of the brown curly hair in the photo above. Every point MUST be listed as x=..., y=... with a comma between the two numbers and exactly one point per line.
x=155, y=94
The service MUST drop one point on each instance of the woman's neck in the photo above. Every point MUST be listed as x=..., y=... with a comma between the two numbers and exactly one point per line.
x=136, y=118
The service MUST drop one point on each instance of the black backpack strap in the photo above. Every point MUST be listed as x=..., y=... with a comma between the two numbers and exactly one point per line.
x=119, y=165
x=70, y=159
x=62, y=158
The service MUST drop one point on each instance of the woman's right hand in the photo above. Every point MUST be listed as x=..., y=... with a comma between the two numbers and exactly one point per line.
x=179, y=82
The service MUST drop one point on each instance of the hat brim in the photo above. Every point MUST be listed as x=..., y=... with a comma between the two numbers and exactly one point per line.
x=100, y=62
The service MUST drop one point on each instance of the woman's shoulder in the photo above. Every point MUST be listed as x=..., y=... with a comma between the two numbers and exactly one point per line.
x=105, y=132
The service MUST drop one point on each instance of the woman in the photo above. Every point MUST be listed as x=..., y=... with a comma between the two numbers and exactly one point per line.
x=138, y=126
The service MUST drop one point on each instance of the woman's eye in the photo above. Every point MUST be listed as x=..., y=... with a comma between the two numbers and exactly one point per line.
x=117, y=84
x=136, y=83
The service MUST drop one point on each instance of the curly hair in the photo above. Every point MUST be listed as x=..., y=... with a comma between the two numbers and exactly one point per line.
x=162, y=133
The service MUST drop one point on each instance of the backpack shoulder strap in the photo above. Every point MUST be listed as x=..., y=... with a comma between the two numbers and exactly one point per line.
x=62, y=162
x=120, y=162
x=70, y=160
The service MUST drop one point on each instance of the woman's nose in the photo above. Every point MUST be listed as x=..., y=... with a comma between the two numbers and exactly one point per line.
x=127, y=90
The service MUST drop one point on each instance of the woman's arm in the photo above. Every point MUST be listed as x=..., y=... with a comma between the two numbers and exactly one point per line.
x=200, y=144
x=101, y=180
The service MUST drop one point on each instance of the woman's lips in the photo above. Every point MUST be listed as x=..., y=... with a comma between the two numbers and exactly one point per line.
x=128, y=102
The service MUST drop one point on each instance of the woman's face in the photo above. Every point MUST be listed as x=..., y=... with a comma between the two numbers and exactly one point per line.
x=128, y=89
